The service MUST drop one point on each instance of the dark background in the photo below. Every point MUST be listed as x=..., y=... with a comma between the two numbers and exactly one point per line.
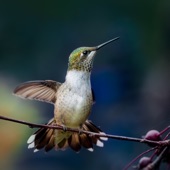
x=131, y=77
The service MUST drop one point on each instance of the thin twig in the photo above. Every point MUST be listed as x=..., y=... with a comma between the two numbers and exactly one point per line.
x=139, y=156
x=156, y=162
x=164, y=130
x=34, y=125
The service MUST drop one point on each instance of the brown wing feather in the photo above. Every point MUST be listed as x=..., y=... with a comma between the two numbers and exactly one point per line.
x=38, y=90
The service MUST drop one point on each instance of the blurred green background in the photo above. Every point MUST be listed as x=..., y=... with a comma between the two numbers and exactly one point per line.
x=131, y=77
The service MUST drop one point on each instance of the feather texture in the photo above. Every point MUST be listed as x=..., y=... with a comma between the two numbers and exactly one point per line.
x=38, y=90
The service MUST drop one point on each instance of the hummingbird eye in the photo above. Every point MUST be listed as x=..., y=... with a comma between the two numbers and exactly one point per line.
x=85, y=52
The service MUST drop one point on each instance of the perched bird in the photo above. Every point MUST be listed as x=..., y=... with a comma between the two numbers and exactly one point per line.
x=72, y=102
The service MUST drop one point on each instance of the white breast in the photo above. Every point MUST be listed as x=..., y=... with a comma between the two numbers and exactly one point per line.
x=79, y=82
x=74, y=106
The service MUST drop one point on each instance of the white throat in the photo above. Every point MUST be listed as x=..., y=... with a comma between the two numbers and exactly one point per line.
x=78, y=79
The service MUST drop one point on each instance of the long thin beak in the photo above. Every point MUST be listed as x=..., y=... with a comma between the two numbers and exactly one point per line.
x=105, y=43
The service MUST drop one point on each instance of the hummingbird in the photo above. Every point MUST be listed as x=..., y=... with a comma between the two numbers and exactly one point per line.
x=72, y=100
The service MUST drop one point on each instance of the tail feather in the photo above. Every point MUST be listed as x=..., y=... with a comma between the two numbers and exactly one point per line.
x=95, y=129
x=50, y=138
x=85, y=141
x=43, y=134
x=43, y=141
x=74, y=142
x=39, y=134
x=62, y=144
x=89, y=126
x=50, y=144
x=42, y=138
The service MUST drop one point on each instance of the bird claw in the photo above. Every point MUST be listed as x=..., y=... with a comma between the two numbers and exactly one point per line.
x=64, y=128
x=79, y=131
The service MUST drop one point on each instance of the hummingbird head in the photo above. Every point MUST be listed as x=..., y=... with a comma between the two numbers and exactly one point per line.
x=81, y=59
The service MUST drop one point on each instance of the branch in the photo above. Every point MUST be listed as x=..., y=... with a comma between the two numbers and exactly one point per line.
x=34, y=125
x=139, y=156
x=157, y=161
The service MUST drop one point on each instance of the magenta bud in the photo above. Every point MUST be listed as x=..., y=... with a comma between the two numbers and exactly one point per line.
x=144, y=161
x=153, y=135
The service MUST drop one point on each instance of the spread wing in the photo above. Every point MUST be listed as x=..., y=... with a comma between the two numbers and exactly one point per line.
x=38, y=90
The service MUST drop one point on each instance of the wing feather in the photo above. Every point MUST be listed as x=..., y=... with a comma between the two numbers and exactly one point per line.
x=43, y=90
